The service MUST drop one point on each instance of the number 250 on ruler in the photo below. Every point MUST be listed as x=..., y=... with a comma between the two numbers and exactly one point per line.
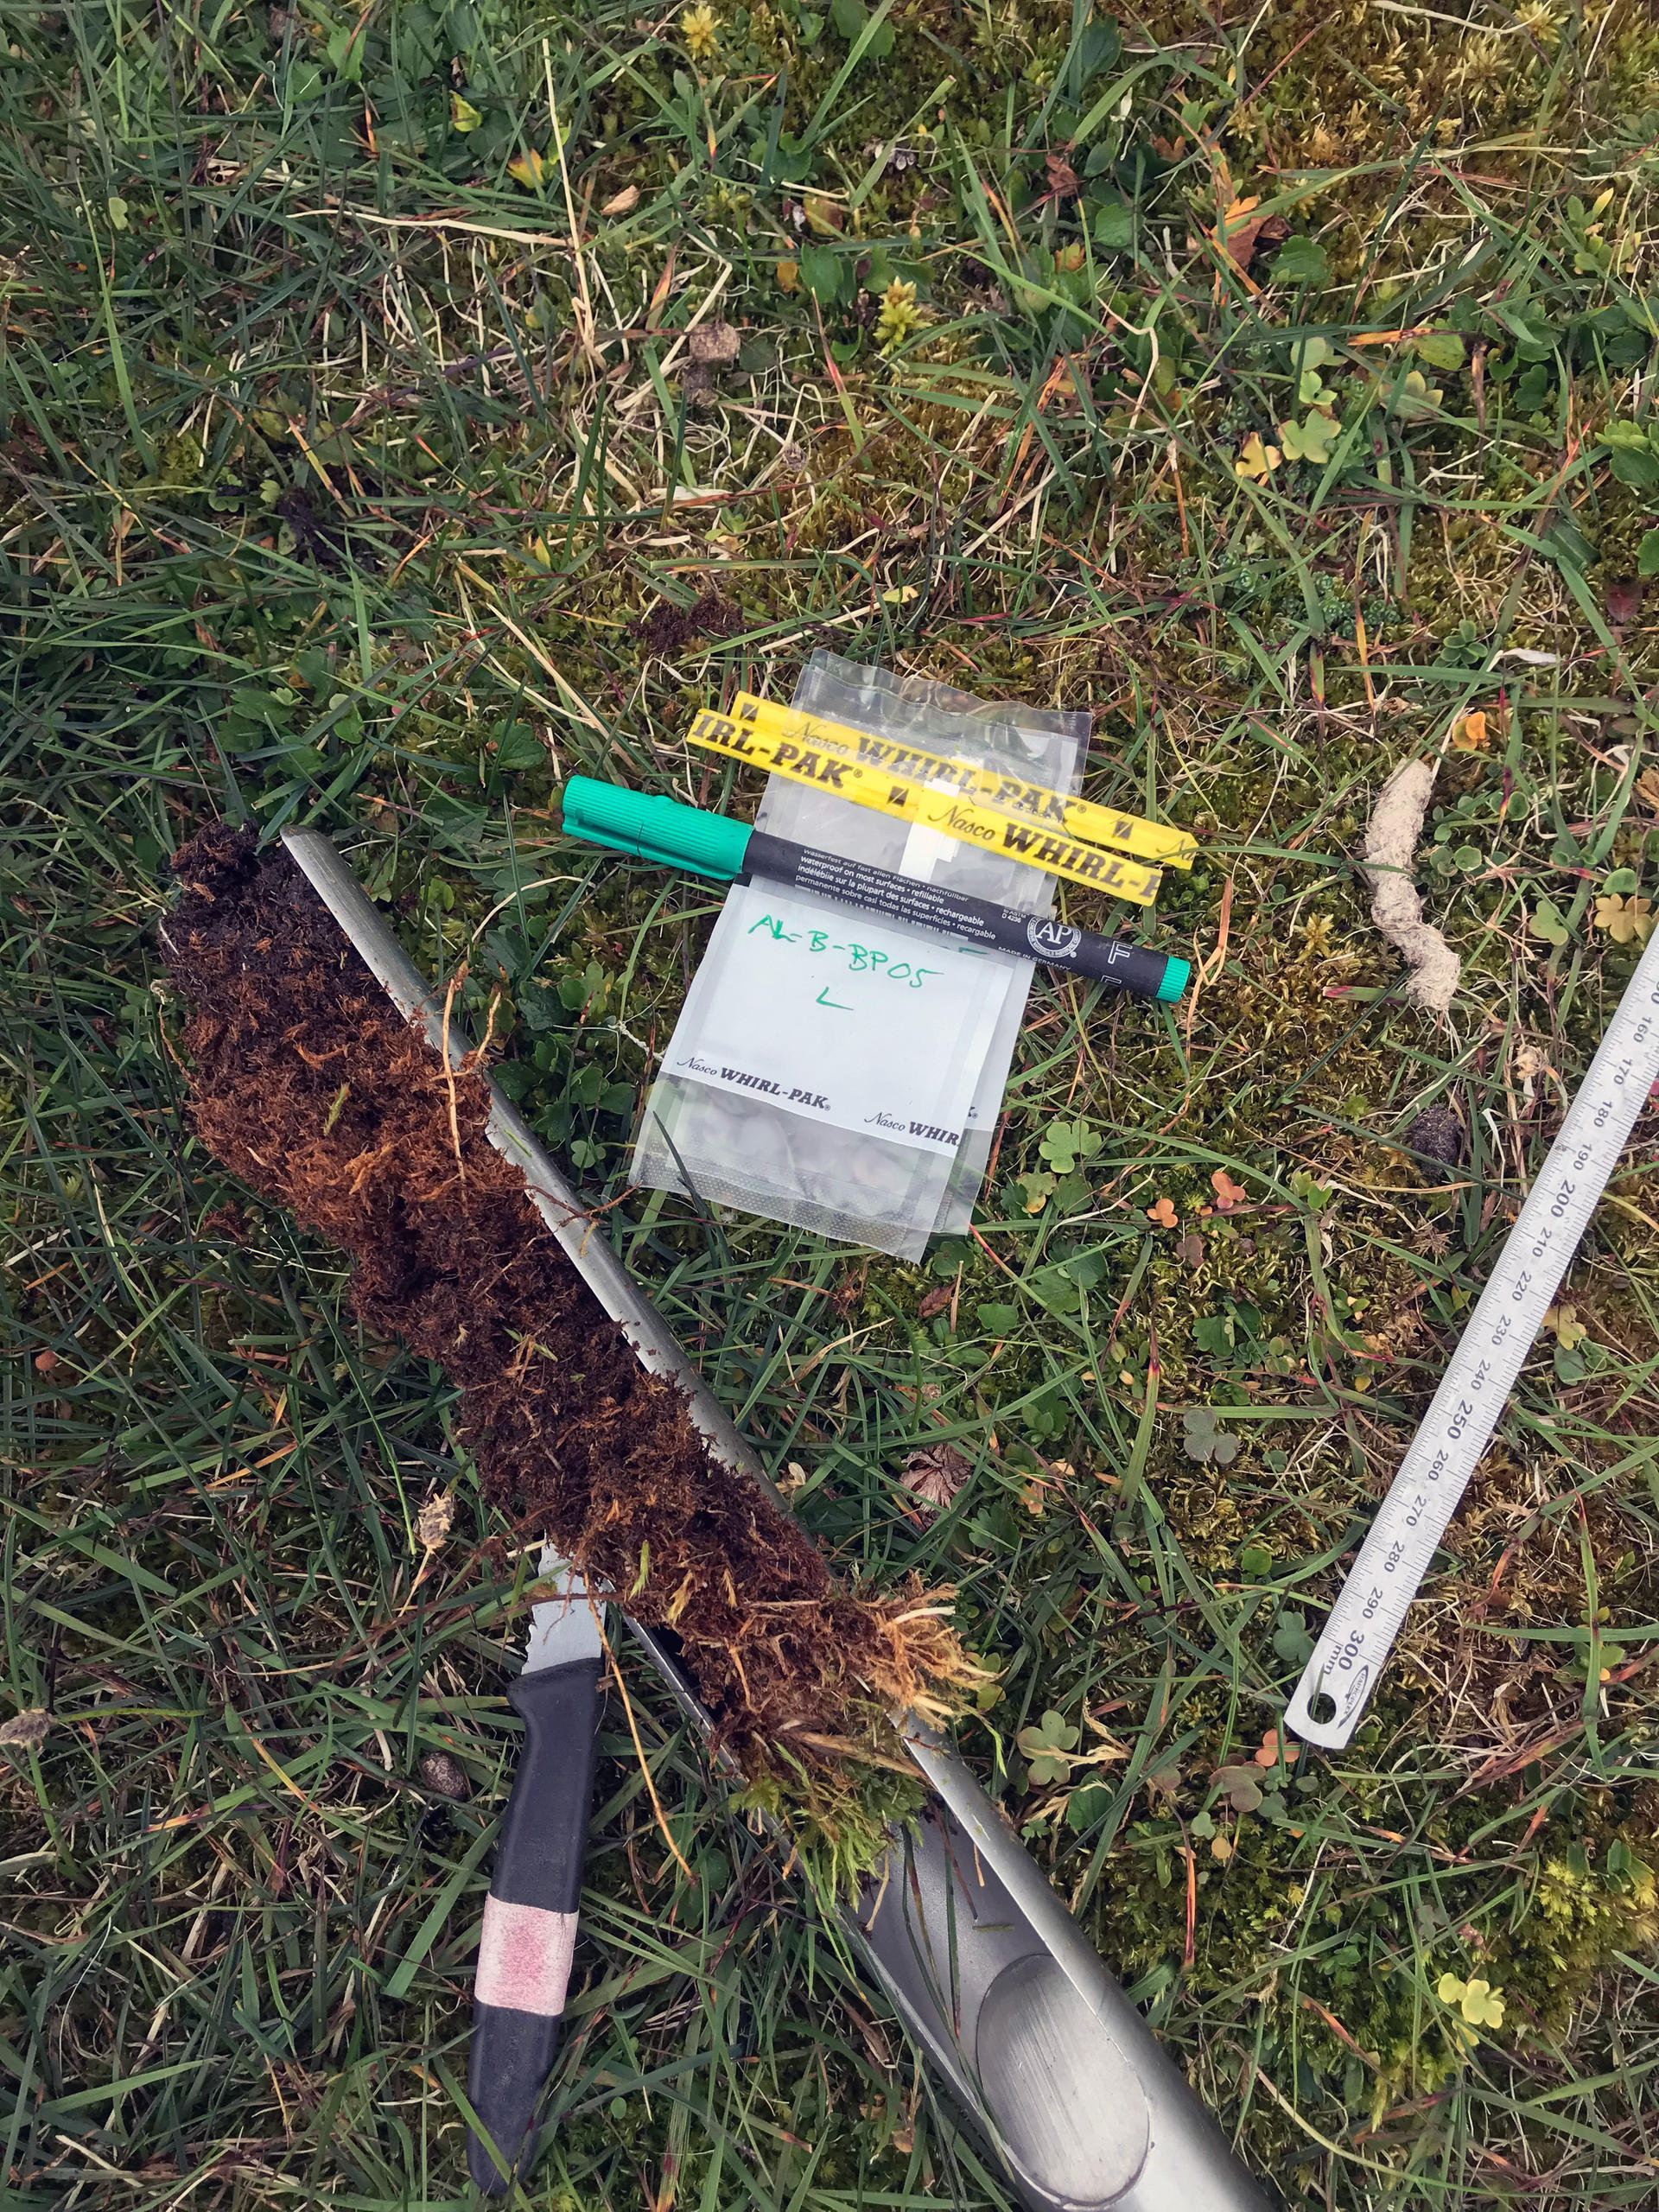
x=1447, y=1449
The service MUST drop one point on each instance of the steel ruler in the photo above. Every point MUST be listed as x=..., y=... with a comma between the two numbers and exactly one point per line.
x=1369, y=1609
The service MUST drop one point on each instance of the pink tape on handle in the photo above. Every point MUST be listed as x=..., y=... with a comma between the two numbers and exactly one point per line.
x=524, y=1957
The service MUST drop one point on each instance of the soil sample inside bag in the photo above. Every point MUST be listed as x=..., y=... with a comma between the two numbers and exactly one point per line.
x=308, y=1085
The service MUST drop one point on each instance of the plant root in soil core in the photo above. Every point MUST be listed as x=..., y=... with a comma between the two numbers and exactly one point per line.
x=308, y=1085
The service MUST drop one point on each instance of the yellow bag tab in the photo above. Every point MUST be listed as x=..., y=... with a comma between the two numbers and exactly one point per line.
x=1010, y=836
x=1080, y=818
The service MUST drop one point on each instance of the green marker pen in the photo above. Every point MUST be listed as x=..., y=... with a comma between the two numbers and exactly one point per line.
x=688, y=838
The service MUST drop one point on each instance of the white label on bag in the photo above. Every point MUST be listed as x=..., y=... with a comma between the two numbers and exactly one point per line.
x=844, y=1018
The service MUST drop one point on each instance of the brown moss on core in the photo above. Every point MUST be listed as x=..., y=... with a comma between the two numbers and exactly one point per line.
x=309, y=1085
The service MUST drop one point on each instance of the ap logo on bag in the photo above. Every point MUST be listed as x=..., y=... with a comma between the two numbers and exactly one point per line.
x=1052, y=940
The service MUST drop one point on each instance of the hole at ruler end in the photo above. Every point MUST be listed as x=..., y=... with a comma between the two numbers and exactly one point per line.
x=1322, y=1708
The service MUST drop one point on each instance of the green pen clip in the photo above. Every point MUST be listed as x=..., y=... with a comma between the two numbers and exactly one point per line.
x=653, y=828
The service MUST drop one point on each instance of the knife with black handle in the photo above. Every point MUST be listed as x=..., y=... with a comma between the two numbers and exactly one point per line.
x=530, y=1915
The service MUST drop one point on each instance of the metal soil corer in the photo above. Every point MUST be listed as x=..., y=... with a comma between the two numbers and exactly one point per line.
x=1047, y=2058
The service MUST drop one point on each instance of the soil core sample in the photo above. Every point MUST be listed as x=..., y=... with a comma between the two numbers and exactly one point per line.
x=308, y=1085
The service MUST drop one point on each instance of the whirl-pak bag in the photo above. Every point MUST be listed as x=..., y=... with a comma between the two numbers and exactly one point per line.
x=833, y=1068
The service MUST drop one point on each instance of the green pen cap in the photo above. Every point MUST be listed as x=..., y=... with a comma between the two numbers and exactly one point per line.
x=660, y=829
x=1176, y=977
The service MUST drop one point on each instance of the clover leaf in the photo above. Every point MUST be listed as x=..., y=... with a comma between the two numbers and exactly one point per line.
x=1203, y=1441
x=1479, y=2003
x=1570, y=1332
x=1036, y=1189
x=1241, y=1786
x=1066, y=1143
x=1624, y=919
x=1416, y=399
x=1310, y=440
x=1047, y=1747
x=1308, y=1193
x=1291, y=1640
x=1548, y=923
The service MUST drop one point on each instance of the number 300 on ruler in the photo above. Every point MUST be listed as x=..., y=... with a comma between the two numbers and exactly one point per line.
x=1443, y=1453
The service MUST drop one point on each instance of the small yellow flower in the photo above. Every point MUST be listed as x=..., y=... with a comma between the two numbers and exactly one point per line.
x=900, y=314
x=1624, y=919
x=700, y=28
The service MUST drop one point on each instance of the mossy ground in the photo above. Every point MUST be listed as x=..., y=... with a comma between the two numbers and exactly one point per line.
x=350, y=437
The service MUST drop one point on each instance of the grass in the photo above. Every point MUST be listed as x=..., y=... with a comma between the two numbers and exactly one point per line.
x=352, y=431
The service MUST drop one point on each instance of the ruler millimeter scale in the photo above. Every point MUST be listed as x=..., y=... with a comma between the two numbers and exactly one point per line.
x=1446, y=1450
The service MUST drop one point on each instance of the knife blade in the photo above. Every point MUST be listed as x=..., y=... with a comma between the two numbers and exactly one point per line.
x=529, y=1930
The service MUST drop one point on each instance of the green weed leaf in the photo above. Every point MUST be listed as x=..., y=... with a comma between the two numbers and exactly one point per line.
x=1300, y=261
x=825, y=273
x=1115, y=226
x=1442, y=349
x=1213, y=1333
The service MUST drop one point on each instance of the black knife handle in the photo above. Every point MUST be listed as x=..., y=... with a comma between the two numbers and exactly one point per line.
x=545, y=1832
x=511, y=2058
x=530, y=1915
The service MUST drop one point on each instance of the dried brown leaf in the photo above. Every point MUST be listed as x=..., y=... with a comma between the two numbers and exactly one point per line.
x=1621, y=597
x=1062, y=177
x=934, y=1475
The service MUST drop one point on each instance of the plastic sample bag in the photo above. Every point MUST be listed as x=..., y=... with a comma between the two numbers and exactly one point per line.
x=834, y=1070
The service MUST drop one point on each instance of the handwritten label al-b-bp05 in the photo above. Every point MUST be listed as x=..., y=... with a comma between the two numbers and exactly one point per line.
x=861, y=959
x=809, y=1019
